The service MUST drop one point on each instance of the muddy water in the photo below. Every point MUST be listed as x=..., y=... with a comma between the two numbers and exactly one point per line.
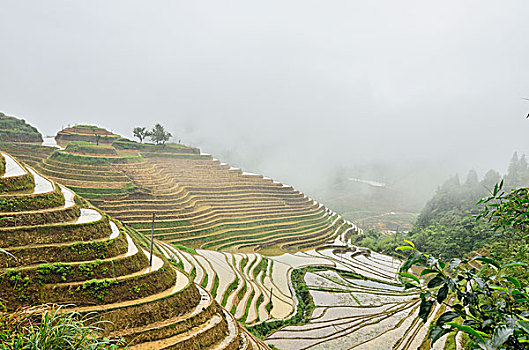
x=88, y=215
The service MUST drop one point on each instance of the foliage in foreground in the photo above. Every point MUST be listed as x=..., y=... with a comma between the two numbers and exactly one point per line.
x=485, y=298
x=490, y=307
x=49, y=327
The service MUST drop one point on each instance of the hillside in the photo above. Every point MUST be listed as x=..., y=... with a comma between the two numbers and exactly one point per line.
x=276, y=260
x=66, y=252
x=198, y=201
x=17, y=130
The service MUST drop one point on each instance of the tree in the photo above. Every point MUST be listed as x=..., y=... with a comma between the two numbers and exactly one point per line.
x=491, y=178
x=141, y=133
x=472, y=178
x=159, y=135
x=518, y=172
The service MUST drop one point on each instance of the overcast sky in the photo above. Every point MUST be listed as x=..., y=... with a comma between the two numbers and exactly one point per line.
x=288, y=88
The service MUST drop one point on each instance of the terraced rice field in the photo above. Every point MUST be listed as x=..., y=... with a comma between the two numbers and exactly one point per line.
x=358, y=301
x=198, y=201
x=64, y=251
x=354, y=309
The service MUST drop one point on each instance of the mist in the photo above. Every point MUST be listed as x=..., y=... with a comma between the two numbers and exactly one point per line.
x=291, y=89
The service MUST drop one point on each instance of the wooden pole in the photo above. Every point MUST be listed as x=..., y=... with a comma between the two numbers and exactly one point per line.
x=152, y=238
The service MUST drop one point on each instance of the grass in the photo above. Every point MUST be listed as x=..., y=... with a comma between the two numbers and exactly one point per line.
x=248, y=305
x=185, y=249
x=233, y=285
x=90, y=144
x=91, y=127
x=48, y=327
x=263, y=264
x=204, y=282
x=215, y=287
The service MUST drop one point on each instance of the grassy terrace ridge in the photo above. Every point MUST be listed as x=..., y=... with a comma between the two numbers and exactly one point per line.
x=18, y=183
x=88, y=148
x=212, y=225
x=17, y=130
x=68, y=252
x=93, y=159
x=126, y=144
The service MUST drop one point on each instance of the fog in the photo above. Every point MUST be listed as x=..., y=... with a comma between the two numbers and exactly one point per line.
x=293, y=89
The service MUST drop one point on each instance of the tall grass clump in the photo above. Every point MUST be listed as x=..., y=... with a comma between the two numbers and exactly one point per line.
x=46, y=327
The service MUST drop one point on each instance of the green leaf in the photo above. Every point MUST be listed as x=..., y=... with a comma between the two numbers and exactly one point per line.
x=501, y=334
x=424, y=309
x=503, y=289
x=513, y=281
x=446, y=317
x=436, y=281
x=410, y=243
x=488, y=261
x=512, y=264
x=524, y=325
x=404, y=247
x=427, y=272
x=454, y=263
x=410, y=276
x=480, y=283
x=468, y=330
x=442, y=293
x=437, y=332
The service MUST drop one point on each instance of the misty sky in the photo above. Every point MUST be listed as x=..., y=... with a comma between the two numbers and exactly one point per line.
x=292, y=89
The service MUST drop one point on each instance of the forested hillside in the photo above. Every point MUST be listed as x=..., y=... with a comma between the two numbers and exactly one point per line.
x=447, y=224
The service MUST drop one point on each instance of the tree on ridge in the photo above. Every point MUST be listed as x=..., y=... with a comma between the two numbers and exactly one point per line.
x=159, y=135
x=141, y=133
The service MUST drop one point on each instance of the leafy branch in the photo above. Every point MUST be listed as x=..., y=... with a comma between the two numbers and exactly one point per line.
x=488, y=305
